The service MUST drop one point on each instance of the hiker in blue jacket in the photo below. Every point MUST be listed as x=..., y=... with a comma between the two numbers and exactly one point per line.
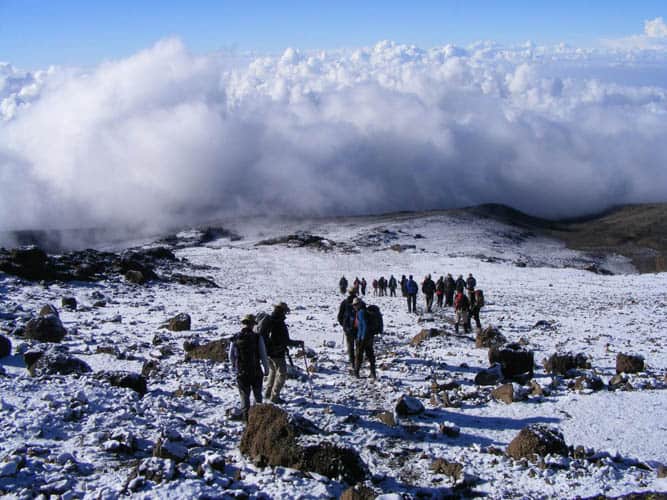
x=364, y=340
x=411, y=289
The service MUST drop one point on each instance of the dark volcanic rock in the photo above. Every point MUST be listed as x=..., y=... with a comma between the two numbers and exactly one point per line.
x=628, y=363
x=513, y=359
x=408, y=405
x=538, y=440
x=129, y=380
x=270, y=438
x=136, y=277
x=47, y=328
x=5, y=346
x=301, y=240
x=566, y=364
x=69, y=303
x=179, y=323
x=54, y=362
x=490, y=376
x=489, y=337
x=217, y=351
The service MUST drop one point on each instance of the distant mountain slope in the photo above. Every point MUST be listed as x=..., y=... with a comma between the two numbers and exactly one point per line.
x=638, y=232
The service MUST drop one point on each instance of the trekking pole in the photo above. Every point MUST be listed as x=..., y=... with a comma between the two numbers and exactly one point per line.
x=310, y=382
x=289, y=358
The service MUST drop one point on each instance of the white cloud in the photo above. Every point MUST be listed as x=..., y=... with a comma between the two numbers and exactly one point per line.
x=165, y=137
x=655, y=28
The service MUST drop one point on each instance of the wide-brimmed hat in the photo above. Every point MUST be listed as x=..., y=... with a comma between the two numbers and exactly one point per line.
x=249, y=319
x=283, y=306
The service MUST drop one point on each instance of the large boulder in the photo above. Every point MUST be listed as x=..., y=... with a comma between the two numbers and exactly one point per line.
x=504, y=393
x=217, y=351
x=128, y=380
x=54, y=362
x=490, y=376
x=5, y=346
x=537, y=439
x=513, y=359
x=628, y=363
x=179, y=323
x=47, y=327
x=489, y=337
x=270, y=438
x=408, y=405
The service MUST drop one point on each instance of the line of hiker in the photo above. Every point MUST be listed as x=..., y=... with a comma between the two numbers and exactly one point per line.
x=264, y=347
x=380, y=286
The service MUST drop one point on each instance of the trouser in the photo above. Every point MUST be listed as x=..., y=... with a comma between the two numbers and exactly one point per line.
x=462, y=319
x=364, y=347
x=277, y=377
x=429, y=301
x=449, y=299
x=440, y=297
x=475, y=315
x=471, y=296
x=350, y=340
x=392, y=292
x=246, y=385
x=412, y=303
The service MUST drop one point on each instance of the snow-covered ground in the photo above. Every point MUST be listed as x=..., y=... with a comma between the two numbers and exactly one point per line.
x=56, y=429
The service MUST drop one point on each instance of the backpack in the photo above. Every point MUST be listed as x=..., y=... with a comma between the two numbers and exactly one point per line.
x=479, y=298
x=374, y=323
x=247, y=347
x=264, y=327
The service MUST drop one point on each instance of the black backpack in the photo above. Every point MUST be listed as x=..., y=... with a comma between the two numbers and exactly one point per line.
x=374, y=323
x=247, y=348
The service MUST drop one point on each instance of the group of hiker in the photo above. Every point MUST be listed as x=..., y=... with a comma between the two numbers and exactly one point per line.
x=379, y=285
x=259, y=350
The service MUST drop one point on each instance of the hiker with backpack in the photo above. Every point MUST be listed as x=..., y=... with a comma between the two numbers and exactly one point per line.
x=392, y=286
x=342, y=284
x=428, y=288
x=275, y=333
x=411, y=289
x=462, y=308
x=404, y=282
x=247, y=354
x=382, y=285
x=364, y=284
x=450, y=287
x=460, y=284
x=375, y=287
x=471, y=283
x=477, y=305
x=368, y=322
x=346, y=318
x=440, y=290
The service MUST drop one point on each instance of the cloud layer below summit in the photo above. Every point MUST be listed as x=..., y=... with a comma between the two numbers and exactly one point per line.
x=167, y=137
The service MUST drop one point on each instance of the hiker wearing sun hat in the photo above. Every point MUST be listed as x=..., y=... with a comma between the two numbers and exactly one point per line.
x=247, y=354
x=276, y=336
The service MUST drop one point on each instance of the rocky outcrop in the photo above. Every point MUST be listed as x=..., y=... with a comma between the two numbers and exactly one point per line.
x=489, y=376
x=270, y=438
x=628, y=363
x=179, y=323
x=216, y=350
x=128, y=380
x=47, y=327
x=408, y=405
x=537, y=440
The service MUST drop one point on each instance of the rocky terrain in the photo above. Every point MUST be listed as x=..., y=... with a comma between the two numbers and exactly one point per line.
x=114, y=377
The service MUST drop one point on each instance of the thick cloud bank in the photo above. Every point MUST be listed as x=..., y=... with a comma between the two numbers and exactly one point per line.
x=168, y=137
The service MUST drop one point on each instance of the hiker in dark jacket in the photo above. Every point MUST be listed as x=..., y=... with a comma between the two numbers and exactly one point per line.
x=392, y=286
x=476, y=307
x=462, y=308
x=382, y=284
x=440, y=290
x=471, y=283
x=428, y=289
x=404, y=282
x=276, y=336
x=460, y=284
x=364, y=284
x=247, y=354
x=346, y=317
x=342, y=284
x=450, y=288
x=411, y=290
x=364, y=338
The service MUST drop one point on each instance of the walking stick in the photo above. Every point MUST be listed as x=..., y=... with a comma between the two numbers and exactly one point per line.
x=310, y=382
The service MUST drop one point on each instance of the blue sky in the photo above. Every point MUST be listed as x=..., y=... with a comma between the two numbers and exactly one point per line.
x=37, y=33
